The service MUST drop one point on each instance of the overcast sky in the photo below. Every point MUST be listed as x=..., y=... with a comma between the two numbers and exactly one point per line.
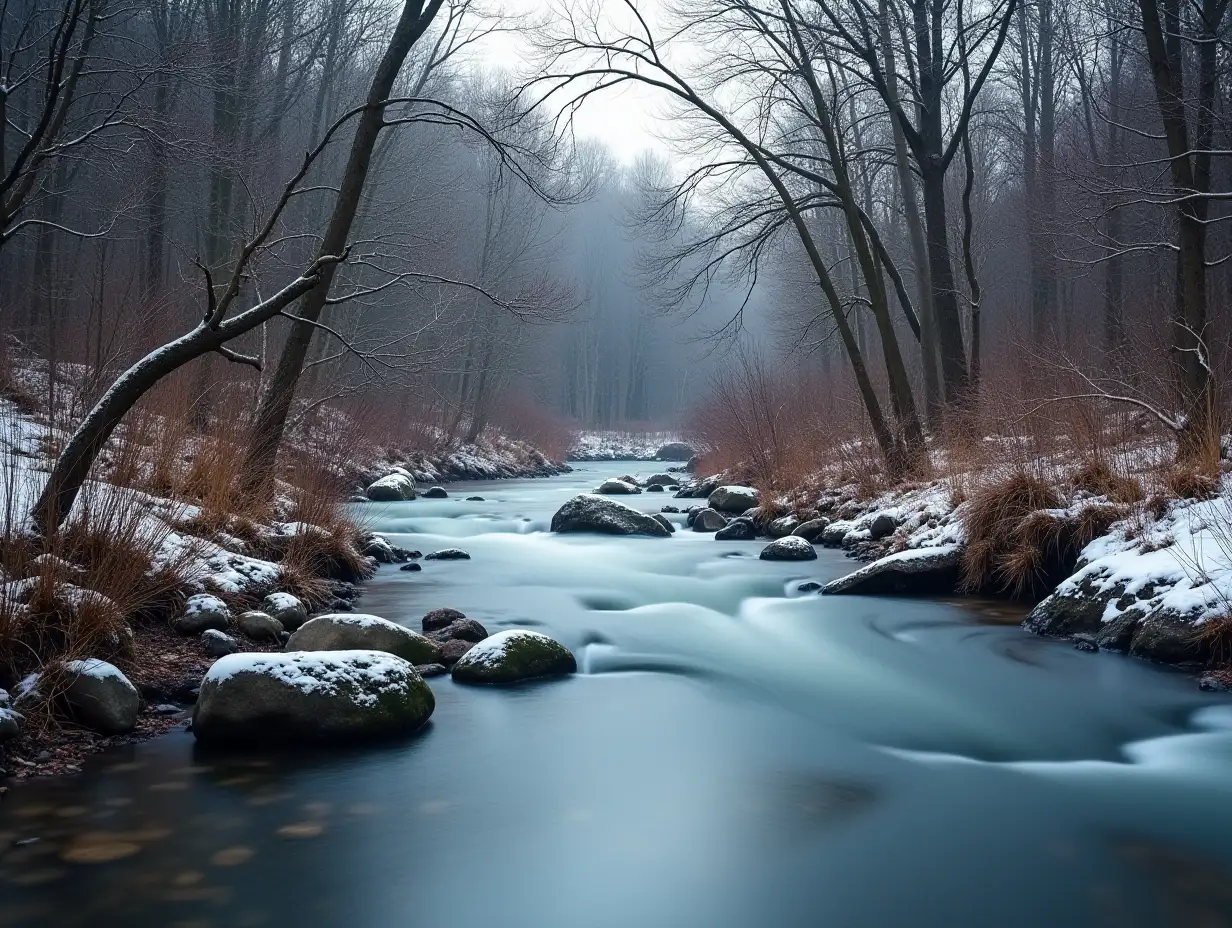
x=625, y=119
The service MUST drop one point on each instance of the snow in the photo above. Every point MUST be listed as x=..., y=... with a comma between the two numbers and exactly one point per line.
x=399, y=483
x=1181, y=564
x=619, y=446
x=5, y=699
x=281, y=601
x=97, y=670
x=357, y=619
x=491, y=650
x=205, y=602
x=359, y=675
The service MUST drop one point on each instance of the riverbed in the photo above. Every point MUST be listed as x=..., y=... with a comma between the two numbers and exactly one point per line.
x=733, y=752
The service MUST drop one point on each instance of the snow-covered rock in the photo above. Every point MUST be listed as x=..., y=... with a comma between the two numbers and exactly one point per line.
x=590, y=513
x=811, y=530
x=202, y=611
x=350, y=630
x=435, y=493
x=392, y=488
x=512, y=656
x=660, y=480
x=99, y=697
x=258, y=626
x=733, y=499
x=218, y=644
x=783, y=525
x=882, y=525
x=1149, y=591
x=791, y=548
x=916, y=571
x=738, y=529
x=10, y=724
x=319, y=696
x=287, y=609
x=707, y=520
x=448, y=554
x=617, y=486
x=620, y=446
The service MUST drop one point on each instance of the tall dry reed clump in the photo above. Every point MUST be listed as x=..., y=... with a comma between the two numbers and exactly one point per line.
x=1020, y=541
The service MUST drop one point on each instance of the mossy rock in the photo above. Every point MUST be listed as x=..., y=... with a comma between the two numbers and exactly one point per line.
x=310, y=697
x=513, y=656
x=346, y=631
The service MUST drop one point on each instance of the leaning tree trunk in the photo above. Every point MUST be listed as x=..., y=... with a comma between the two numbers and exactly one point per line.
x=271, y=420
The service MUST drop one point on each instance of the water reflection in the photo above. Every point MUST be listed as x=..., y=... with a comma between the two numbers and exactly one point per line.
x=730, y=755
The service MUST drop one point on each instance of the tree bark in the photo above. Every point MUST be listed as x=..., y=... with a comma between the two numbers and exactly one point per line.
x=270, y=423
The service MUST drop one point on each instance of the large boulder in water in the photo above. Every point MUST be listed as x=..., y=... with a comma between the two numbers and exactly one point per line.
x=732, y=499
x=392, y=488
x=590, y=513
x=675, y=451
x=99, y=697
x=791, y=548
x=660, y=480
x=512, y=656
x=738, y=529
x=318, y=696
x=346, y=631
x=915, y=572
x=784, y=525
x=707, y=520
x=617, y=486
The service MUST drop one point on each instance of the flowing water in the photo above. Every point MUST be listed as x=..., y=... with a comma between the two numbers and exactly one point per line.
x=732, y=753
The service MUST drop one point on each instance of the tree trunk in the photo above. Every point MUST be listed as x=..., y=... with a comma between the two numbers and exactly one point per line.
x=271, y=419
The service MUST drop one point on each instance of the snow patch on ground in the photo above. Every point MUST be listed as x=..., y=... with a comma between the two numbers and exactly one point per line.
x=1180, y=564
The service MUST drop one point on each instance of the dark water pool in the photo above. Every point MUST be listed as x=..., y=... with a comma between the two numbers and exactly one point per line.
x=733, y=754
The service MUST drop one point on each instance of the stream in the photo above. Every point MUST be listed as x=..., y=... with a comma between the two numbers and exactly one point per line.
x=733, y=752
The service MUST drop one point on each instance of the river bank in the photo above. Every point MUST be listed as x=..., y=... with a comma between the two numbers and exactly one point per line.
x=1101, y=561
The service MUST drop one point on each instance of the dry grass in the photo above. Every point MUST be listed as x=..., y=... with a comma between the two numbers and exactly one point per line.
x=1188, y=481
x=107, y=569
x=1097, y=477
x=1213, y=638
x=1018, y=542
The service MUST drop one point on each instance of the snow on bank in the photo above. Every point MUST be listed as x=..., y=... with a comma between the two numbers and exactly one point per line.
x=619, y=446
x=491, y=457
x=1180, y=564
